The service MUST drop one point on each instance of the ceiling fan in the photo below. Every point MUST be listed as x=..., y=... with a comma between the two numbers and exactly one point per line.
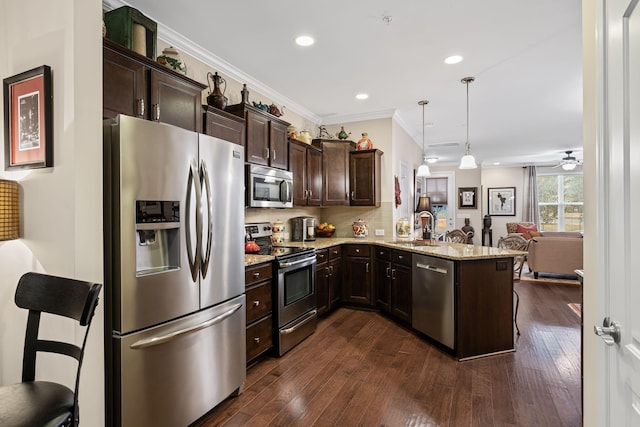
x=569, y=162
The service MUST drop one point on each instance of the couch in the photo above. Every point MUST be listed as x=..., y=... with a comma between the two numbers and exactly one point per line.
x=555, y=252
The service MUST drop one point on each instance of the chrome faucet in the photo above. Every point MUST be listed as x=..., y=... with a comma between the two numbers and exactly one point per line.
x=429, y=227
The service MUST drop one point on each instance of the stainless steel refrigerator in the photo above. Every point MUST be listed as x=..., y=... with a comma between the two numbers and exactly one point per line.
x=175, y=308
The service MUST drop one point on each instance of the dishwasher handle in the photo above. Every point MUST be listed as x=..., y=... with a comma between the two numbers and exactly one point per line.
x=431, y=268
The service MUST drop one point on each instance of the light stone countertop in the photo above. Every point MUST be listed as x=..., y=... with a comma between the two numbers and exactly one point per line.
x=452, y=251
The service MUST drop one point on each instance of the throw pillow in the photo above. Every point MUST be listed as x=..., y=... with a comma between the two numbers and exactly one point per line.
x=525, y=229
x=535, y=234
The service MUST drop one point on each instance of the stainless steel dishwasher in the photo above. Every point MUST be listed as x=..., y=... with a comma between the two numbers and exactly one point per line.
x=433, y=310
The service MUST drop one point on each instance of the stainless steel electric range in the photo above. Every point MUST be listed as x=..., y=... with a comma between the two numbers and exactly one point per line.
x=295, y=314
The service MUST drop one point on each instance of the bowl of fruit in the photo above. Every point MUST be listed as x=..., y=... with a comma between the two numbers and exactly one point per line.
x=325, y=229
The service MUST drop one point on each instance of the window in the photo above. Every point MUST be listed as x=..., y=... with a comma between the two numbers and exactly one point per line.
x=560, y=200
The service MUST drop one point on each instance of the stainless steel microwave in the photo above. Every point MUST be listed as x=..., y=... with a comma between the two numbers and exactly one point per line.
x=268, y=187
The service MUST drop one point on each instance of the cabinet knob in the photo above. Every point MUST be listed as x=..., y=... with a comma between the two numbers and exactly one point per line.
x=256, y=274
x=357, y=250
x=256, y=340
x=256, y=303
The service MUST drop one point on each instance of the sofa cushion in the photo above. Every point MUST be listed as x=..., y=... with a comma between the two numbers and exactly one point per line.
x=535, y=234
x=525, y=229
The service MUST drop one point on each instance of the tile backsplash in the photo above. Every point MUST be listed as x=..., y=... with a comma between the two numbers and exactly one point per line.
x=341, y=216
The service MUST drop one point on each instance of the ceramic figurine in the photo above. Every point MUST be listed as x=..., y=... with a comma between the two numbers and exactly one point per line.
x=364, y=143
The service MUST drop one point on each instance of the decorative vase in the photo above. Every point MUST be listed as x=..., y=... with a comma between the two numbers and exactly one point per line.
x=342, y=134
x=403, y=228
x=216, y=96
x=171, y=59
x=278, y=232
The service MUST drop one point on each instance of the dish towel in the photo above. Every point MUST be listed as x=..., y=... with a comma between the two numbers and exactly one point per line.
x=398, y=199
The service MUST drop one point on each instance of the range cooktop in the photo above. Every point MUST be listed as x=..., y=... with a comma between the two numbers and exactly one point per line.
x=261, y=233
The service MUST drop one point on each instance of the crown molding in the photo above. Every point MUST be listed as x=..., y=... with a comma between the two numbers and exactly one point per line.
x=348, y=118
x=201, y=54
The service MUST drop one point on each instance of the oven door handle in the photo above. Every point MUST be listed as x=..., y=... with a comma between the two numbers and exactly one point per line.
x=284, y=264
x=310, y=315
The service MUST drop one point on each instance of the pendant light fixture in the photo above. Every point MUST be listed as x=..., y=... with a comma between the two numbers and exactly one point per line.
x=468, y=161
x=423, y=170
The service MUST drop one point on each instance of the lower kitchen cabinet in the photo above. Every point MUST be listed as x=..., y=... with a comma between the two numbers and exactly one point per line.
x=393, y=282
x=328, y=278
x=259, y=333
x=357, y=277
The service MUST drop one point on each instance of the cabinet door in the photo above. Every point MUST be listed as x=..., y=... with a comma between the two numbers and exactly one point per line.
x=322, y=288
x=364, y=177
x=383, y=284
x=335, y=166
x=298, y=166
x=356, y=284
x=335, y=281
x=224, y=126
x=401, y=292
x=314, y=177
x=257, y=148
x=278, y=142
x=175, y=102
x=124, y=86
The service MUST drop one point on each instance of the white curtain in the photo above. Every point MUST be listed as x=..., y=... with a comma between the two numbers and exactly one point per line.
x=531, y=212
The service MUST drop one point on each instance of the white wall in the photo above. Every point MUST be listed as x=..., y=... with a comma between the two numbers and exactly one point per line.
x=502, y=177
x=62, y=205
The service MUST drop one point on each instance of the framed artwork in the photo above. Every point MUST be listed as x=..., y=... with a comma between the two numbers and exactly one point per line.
x=28, y=120
x=502, y=201
x=467, y=197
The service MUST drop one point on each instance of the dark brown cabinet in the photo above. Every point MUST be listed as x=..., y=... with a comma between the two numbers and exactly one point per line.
x=328, y=278
x=393, y=282
x=335, y=171
x=266, y=141
x=223, y=125
x=259, y=334
x=357, y=277
x=484, y=306
x=364, y=177
x=137, y=86
x=305, y=162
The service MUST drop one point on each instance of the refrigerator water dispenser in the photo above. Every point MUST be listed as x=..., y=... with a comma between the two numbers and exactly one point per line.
x=157, y=236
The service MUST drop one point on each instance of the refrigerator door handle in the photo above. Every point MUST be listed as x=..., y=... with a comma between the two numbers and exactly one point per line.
x=194, y=182
x=161, y=339
x=206, y=184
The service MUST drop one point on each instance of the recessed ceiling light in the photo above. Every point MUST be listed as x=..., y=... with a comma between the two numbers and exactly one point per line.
x=453, y=59
x=496, y=163
x=432, y=159
x=304, y=40
x=362, y=96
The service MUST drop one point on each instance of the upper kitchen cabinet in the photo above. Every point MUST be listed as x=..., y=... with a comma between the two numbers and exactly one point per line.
x=266, y=140
x=135, y=85
x=223, y=125
x=305, y=162
x=364, y=177
x=335, y=171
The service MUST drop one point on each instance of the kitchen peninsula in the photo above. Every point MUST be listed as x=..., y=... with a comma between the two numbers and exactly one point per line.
x=381, y=274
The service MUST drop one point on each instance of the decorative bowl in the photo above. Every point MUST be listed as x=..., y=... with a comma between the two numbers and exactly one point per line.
x=325, y=232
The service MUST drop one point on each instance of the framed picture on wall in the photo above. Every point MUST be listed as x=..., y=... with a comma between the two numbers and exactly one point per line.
x=28, y=119
x=467, y=197
x=502, y=201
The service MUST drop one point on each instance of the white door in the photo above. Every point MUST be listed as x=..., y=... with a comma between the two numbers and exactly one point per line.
x=612, y=284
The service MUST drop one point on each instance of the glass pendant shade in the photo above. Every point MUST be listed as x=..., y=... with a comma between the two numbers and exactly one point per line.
x=423, y=170
x=468, y=162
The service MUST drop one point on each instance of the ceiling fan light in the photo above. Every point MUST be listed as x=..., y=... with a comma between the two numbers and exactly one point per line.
x=569, y=166
x=423, y=170
x=468, y=162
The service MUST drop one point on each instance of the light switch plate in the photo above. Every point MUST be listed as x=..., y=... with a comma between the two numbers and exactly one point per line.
x=379, y=232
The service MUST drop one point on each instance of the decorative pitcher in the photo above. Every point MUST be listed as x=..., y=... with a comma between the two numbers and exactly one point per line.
x=216, y=97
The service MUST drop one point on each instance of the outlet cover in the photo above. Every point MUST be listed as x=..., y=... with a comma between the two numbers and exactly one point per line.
x=379, y=232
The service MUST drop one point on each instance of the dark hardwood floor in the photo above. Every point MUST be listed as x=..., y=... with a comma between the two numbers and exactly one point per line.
x=361, y=369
